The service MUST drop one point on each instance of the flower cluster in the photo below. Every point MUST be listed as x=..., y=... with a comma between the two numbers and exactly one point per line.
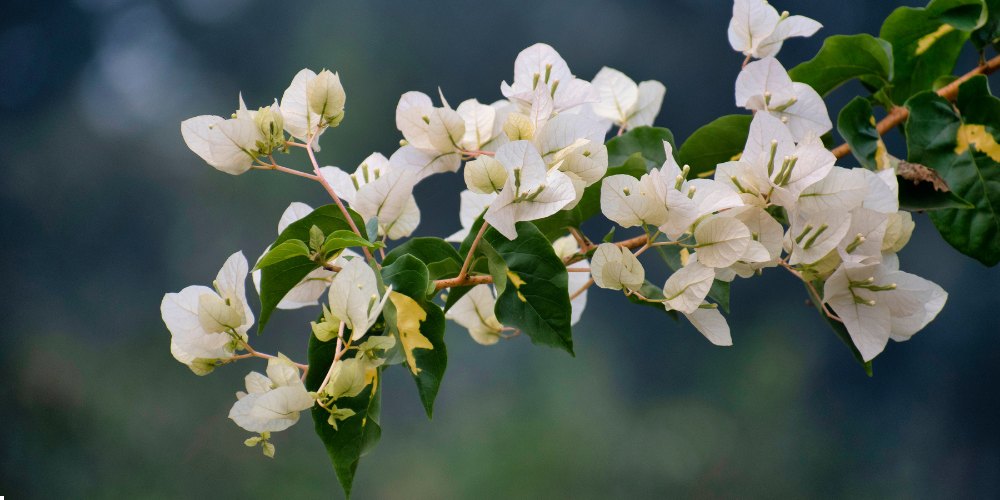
x=781, y=203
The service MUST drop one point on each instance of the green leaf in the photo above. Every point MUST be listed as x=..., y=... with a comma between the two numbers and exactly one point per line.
x=926, y=42
x=277, y=279
x=720, y=141
x=989, y=33
x=354, y=436
x=856, y=125
x=371, y=229
x=963, y=149
x=536, y=298
x=408, y=275
x=442, y=260
x=282, y=252
x=844, y=58
x=344, y=238
x=719, y=292
x=645, y=140
x=419, y=325
x=555, y=225
x=919, y=197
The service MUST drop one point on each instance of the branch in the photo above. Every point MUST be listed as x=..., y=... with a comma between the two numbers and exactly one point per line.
x=899, y=114
x=631, y=244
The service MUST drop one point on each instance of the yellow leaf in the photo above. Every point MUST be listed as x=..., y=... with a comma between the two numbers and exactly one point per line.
x=409, y=315
x=928, y=41
x=978, y=137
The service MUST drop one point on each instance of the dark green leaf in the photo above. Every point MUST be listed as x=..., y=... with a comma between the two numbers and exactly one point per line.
x=926, y=42
x=277, y=279
x=919, y=197
x=989, y=33
x=286, y=250
x=408, y=277
x=856, y=125
x=536, y=298
x=442, y=260
x=645, y=140
x=844, y=58
x=720, y=141
x=964, y=151
x=354, y=436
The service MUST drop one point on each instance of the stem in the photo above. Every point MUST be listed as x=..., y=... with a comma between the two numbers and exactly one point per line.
x=899, y=114
x=475, y=152
x=472, y=251
x=577, y=270
x=582, y=289
x=251, y=352
x=336, y=356
x=333, y=194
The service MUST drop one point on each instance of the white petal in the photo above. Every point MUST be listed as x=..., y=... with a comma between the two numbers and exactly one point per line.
x=871, y=226
x=806, y=230
x=341, y=182
x=479, y=120
x=509, y=208
x=687, y=288
x=868, y=325
x=712, y=325
x=752, y=22
x=295, y=211
x=618, y=95
x=180, y=314
x=353, y=293
x=386, y=197
x=524, y=163
x=615, y=268
x=299, y=120
x=205, y=136
x=758, y=78
x=629, y=203
x=721, y=241
x=841, y=190
x=650, y=101
x=472, y=206
x=792, y=26
x=424, y=163
x=474, y=311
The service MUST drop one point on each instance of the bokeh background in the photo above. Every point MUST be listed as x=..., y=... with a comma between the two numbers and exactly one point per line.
x=104, y=209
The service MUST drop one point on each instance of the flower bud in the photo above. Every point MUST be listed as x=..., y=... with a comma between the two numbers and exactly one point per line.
x=326, y=97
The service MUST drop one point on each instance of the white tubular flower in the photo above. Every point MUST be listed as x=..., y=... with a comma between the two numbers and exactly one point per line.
x=686, y=289
x=474, y=311
x=205, y=324
x=757, y=30
x=565, y=248
x=272, y=403
x=311, y=103
x=540, y=65
x=862, y=243
x=616, y=268
x=379, y=189
x=472, y=205
x=877, y=303
x=436, y=132
x=531, y=192
x=311, y=288
x=765, y=86
x=623, y=102
x=354, y=297
x=812, y=237
x=773, y=167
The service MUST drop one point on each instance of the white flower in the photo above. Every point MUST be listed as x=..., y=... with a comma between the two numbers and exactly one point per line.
x=757, y=29
x=541, y=66
x=623, y=102
x=433, y=135
x=632, y=202
x=354, y=297
x=474, y=311
x=472, y=206
x=712, y=324
x=565, y=248
x=379, y=189
x=773, y=167
x=232, y=145
x=483, y=123
x=311, y=103
x=272, y=403
x=204, y=323
x=812, y=237
x=616, y=268
x=765, y=86
x=531, y=192
x=311, y=288
x=764, y=249
x=878, y=302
